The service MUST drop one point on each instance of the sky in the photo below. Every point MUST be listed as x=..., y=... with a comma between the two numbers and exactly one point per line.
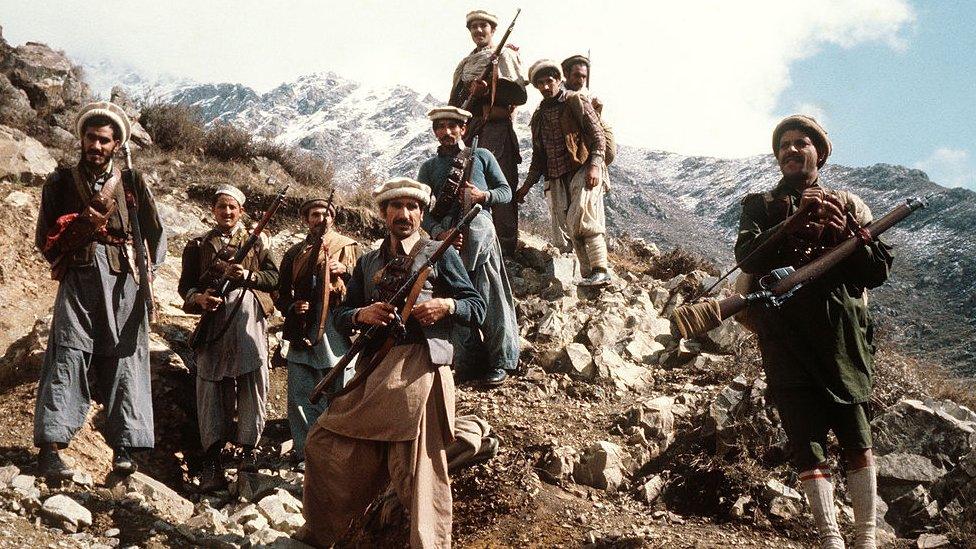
x=893, y=81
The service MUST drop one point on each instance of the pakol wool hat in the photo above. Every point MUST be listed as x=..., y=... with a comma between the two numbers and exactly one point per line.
x=400, y=187
x=230, y=191
x=480, y=15
x=809, y=126
x=316, y=203
x=109, y=110
x=543, y=64
x=449, y=113
x=568, y=63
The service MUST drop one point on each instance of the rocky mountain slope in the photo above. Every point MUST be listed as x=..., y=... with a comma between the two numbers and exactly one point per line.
x=619, y=434
x=671, y=199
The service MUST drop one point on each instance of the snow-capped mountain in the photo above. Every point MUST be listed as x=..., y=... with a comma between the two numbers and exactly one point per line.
x=671, y=199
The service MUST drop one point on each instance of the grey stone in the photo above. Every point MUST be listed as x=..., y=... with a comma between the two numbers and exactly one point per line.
x=650, y=490
x=283, y=511
x=23, y=159
x=560, y=461
x=7, y=474
x=63, y=511
x=643, y=348
x=208, y=520
x=576, y=360
x=923, y=428
x=161, y=498
x=910, y=468
x=602, y=465
x=254, y=486
x=932, y=541
x=19, y=199
x=250, y=518
x=604, y=330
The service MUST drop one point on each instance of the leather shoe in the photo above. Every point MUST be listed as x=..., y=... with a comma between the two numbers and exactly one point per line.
x=212, y=476
x=122, y=463
x=52, y=467
x=494, y=377
x=598, y=278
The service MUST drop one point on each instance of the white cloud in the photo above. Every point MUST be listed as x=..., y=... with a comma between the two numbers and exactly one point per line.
x=698, y=77
x=950, y=168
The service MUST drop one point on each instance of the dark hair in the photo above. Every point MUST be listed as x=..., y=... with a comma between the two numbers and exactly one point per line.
x=493, y=25
x=433, y=123
x=545, y=73
x=99, y=120
x=570, y=64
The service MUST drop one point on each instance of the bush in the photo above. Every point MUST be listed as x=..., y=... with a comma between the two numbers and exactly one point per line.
x=304, y=167
x=227, y=142
x=679, y=262
x=173, y=126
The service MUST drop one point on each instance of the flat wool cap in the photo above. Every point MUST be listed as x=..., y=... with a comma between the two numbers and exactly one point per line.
x=449, y=113
x=568, y=63
x=230, y=191
x=811, y=127
x=109, y=110
x=480, y=15
x=543, y=64
x=316, y=203
x=400, y=187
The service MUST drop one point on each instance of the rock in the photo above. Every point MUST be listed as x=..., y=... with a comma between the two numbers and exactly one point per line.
x=643, y=348
x=559, y=462
x=48, y=78
x=739, y=507
x=254, y=486
x=603, y=331
x=66, y=513
x=209, y=520
x=900, y=472
x=283, y=511
x=19, y=199
x=624, y=375
x=23, y=159
x=722, y=408
x=932, y=541
x=24, y=486
x=912, y=511
x=651, y=489
x=112, y=532
x=927, y=429
x=603, y=466
x=81, y=478
x=250, y=518
x=575, y=359
x=654, y=419
x=15, y=108
x=161, y=498
x=7, y=474
x=659, y=297
x=724, y=337
x=784, y=502
x=553, y=329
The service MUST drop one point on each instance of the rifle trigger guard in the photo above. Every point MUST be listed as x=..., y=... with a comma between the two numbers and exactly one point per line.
x=397, y=327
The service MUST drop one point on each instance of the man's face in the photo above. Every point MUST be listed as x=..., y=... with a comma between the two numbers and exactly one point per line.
x=448, y=132
x=797, y=156
x=317, y=216
x=577, y=77
x=481, y=32
x=403, y=216
x=227, y=212
x=98, y=144
x=547, y=86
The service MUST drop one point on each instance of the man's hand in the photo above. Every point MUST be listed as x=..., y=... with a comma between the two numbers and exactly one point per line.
x=376, y=314
x=521, y=193
x=207, y=301
x=337, y=267
x=832, y=214
x=300, y=307
x=235, y=271
x=458, y=240
x=98, y=219
x=593, y=176
x=432, y=310
x=478, y=88
x=478, y=196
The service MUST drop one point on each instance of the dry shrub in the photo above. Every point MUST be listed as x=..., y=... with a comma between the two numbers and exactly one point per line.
x=362, y=188
x=227, y=142
x=303, y=166
x=173, y=126
x=679, y=262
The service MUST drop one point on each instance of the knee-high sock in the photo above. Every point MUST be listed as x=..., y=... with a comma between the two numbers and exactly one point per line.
x=820, y=496
x=863, y=487
x=596, y=251
x=579, y=245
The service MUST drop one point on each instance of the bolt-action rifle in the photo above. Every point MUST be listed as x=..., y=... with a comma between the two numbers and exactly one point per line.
x=453, y=190
x=305, y=285
x=781, y=284
x=404, y=298
x=143, y=261
x=490, y=70
x=222, y=284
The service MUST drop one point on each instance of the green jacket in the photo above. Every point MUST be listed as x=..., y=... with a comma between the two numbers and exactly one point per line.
x=822, y=336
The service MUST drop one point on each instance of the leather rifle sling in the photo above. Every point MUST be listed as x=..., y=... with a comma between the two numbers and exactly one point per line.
x=326, y=278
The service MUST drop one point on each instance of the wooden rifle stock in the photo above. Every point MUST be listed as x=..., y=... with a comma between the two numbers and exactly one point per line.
x=408, y=293
x=782, y=288
x=222, y=286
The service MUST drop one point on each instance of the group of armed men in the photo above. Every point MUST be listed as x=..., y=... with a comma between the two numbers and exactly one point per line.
x=394, y=427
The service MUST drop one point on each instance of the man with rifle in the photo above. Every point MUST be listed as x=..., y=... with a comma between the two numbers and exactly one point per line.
x=490, y=83
x=231, y=343
x=314, y=275
x=394, y=419
x=569, y=150
x=817, y=346
x=99, y=341
x=459, y=178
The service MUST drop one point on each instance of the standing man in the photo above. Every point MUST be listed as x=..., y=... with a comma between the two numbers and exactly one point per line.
x=394, y=426
x=817, y=348
x=100, y=329
x=494, y=106
x=576, y=68
x=308, y=295
x=492, y=357
x=568, y=147
x=232, y=356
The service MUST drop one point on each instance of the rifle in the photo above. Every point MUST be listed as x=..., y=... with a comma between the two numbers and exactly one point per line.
x=450, y=194
x=143, y=261
x=407, y=293
x=489, y=71
x=222, y=285
x=305, y=290
x=783, y=283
